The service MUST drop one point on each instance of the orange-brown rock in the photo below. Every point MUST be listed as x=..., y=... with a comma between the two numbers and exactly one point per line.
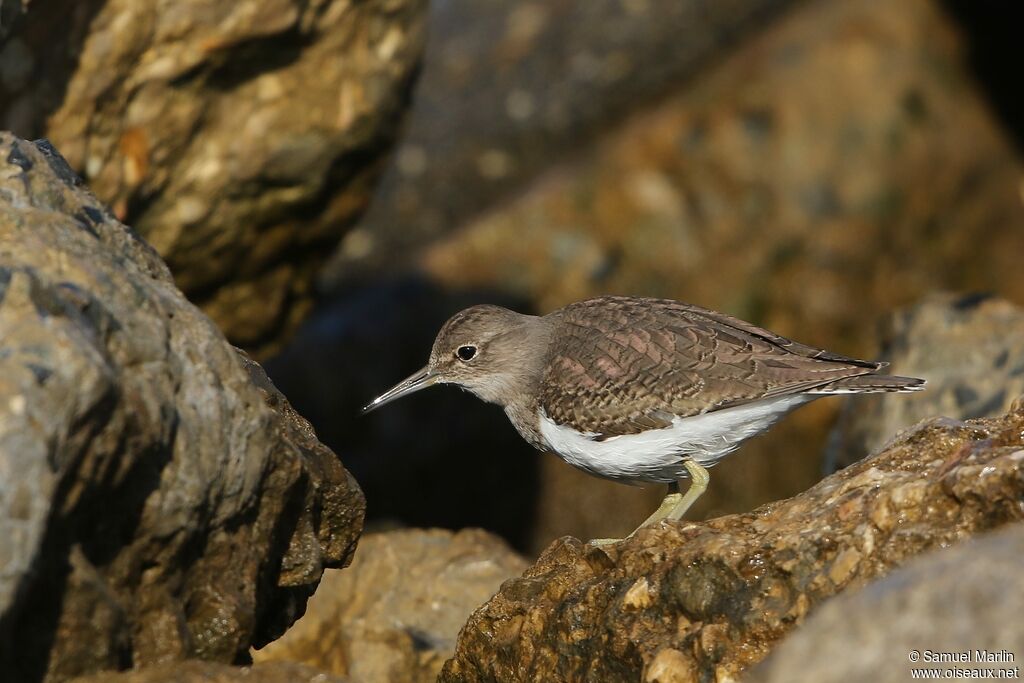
x=209, y=672
x=706, y=600
x=393, y=616
x=240, y=138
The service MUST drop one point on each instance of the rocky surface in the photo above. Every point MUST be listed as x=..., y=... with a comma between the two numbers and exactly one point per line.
x=836, y=167
x=508, y=87
x=966, y=598
x=208, y=672
x=159, y=499
x=971, y=350
x=393, y=616
x=241, y=139
x=706, y=600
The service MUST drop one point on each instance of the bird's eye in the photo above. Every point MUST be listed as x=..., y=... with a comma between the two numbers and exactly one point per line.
x=466, y=352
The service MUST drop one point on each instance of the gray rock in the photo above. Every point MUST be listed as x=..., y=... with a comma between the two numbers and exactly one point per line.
x=159, y=499
x=971, y=350
x=241, y=138
x=966, y=598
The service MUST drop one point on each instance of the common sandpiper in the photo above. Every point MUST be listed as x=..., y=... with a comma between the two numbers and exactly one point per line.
x=638, y=390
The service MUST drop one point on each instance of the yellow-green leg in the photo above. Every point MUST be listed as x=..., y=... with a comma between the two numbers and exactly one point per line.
x=699, y=479
x=675, y=504
x=668, y=504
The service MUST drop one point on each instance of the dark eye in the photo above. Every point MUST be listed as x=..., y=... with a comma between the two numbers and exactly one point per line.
x=466, y=352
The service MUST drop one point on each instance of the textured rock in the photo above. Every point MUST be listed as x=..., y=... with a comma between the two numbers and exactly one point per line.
x=158, y=498
x=970, y=348
x=207, y=672
x=392, y=617
x=241, y=138
x=966, y=598
x=839, y=165
x=707, y=600
x=507, y=87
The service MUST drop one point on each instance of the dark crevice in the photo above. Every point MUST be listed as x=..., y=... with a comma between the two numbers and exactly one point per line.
x=993, y=33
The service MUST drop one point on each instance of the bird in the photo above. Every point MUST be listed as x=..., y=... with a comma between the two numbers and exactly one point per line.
x=638, y=390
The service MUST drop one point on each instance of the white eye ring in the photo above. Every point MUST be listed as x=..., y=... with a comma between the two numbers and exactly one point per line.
x=465, y=353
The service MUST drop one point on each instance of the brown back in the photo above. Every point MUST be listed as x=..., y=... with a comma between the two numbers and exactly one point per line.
x=622, y=365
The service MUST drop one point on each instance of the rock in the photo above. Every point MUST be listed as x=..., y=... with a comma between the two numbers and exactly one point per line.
x=508, y=87
x=394, y=614
x=971, y=350
x=966, y=598
x=159, y=499
x=207, y=672
x=835, y=167
x=706, y=600
x=241, y=139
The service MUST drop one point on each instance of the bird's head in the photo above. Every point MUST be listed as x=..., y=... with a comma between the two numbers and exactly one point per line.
x=488, y=350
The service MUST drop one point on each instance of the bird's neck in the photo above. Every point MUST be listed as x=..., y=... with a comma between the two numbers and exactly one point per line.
x=516, y=387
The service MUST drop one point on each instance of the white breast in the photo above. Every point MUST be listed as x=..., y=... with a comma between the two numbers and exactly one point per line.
x=657, y=454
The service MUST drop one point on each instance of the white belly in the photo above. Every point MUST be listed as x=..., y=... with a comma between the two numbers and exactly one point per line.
x=657, y=455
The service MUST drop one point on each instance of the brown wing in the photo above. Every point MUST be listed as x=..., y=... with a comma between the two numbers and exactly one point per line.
x=622, y=365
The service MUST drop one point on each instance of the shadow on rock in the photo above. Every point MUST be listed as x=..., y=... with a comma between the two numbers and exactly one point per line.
x=438, y=458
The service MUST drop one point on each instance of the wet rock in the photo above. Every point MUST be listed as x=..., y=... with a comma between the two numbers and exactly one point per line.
x=394, y=614
x=964, y=599
x=159, y=500
x=508, y=87
x=971, y=349
x=707, y=600
x=241, y=139
x=207, y=672
x=834, y=168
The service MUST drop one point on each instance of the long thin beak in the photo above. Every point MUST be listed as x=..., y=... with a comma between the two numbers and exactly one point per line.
x=414, y=382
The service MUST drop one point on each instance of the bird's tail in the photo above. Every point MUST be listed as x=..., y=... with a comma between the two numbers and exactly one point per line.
x=868, y=384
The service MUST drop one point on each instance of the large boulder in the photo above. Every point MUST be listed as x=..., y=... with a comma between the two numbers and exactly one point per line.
x=159, y=499
x=508, y=87
x=971, y=350
x=705, y=600
x=393, y=616
x=240, y=138
x=966, y=599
